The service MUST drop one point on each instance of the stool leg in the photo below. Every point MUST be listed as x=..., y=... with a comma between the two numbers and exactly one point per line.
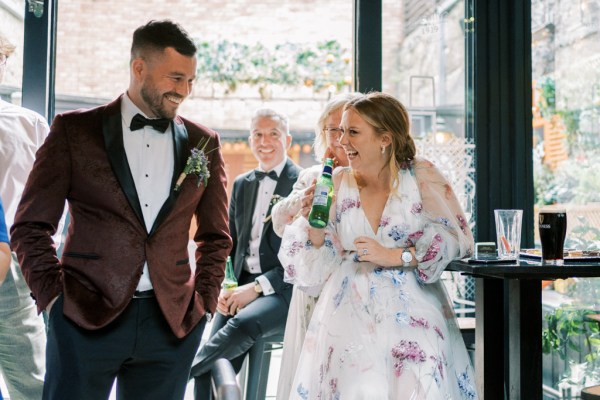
x=255, y=361
x=264, y=372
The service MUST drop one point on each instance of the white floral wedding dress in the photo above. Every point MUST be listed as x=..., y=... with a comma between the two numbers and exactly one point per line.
x=383, y=333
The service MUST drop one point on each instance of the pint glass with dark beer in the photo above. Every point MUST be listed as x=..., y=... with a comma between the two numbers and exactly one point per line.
x=553, y=229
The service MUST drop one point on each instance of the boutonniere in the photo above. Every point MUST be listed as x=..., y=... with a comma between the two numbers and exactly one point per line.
x=274, y=200
x=197, y=164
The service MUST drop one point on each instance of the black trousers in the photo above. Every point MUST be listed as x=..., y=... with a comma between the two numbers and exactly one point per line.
x=138, y=349
x=232, y=337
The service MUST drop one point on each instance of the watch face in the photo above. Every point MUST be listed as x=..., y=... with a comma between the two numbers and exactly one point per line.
x=407, y=256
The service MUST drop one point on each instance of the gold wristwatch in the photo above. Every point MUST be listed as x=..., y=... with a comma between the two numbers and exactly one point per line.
x=257, y=287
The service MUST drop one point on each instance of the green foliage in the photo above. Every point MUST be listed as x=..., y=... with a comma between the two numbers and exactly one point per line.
x=547, y=99
x=323, y=65
x=566, y=325
x=584, y=237
x=574, y=181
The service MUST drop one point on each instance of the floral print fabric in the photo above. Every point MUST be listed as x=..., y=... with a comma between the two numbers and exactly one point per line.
x=383, y=333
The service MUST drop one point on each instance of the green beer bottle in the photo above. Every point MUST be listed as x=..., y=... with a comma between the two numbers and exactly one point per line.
x=319, y=214
x=230, y=281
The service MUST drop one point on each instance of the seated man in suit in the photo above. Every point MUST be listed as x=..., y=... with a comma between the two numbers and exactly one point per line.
x=259, y=305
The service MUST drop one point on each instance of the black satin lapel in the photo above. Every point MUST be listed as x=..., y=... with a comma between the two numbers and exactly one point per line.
x=112, y=131
x=283, y=188
x=250, y=192
x=180, y=148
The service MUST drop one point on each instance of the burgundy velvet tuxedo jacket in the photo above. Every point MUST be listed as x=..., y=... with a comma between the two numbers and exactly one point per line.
x=83, y=161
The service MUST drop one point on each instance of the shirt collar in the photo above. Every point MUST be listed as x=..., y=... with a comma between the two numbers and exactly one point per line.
x=129, y=109
x=278, y=168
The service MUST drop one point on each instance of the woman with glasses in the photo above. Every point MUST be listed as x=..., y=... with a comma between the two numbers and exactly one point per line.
x=326, y=145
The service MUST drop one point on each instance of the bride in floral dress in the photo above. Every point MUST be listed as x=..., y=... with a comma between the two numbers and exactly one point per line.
x=383, y=327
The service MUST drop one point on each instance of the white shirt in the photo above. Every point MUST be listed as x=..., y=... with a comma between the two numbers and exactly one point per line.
x=266, y=187
x=151, y=162
x=22, y=132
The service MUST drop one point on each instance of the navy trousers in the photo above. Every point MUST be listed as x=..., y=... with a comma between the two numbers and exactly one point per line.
x=138, y=349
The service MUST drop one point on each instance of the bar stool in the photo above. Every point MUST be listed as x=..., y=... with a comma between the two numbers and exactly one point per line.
x=256, y=373
x=591, y=393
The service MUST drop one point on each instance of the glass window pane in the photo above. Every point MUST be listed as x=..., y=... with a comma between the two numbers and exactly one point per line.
x=566, y=114
x=565, y=46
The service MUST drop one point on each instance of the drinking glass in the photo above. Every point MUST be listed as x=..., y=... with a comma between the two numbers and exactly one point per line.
x=552, y=223
x=508, y=233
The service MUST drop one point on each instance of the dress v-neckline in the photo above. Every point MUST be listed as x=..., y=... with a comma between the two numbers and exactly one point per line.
x=374, y=232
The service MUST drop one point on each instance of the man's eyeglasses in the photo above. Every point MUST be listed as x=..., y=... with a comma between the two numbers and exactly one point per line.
x=3, y=59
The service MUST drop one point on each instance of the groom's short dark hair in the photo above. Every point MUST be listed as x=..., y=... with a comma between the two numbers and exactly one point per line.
x=158, y=35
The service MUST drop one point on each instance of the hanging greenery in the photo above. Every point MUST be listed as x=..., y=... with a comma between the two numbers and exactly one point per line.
x=320, y=66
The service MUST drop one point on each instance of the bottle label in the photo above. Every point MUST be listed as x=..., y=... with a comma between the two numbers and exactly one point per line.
x=229, y=284
x=321, y=195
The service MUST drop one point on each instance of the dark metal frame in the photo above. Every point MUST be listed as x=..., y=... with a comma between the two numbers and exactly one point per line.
x=502, y=113
x=367, y=45
x=39, y=59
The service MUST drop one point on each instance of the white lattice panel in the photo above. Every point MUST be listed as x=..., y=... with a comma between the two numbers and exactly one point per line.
x=455, y=159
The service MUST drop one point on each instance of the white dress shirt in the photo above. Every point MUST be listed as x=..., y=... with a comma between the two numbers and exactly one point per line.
x=266, y=187
x=22, y=132
x=151, y=162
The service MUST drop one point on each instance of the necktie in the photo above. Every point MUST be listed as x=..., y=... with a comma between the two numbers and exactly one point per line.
x=139, y=121
x=260, y=175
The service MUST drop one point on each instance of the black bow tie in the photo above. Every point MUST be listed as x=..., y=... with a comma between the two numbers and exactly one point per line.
x=139, y=122
x=260, y=175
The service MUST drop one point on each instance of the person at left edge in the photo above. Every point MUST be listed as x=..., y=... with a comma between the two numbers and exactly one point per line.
x=123, y=300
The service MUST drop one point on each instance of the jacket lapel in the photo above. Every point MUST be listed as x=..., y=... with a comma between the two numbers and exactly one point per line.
x=112, y=131
x=180, y=147
x=284, y=186
x=249, y=203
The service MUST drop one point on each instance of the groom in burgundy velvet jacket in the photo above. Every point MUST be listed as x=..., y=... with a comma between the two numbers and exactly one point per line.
x=125, y=302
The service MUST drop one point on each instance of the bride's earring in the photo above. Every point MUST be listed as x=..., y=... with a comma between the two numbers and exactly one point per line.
x=382, y=149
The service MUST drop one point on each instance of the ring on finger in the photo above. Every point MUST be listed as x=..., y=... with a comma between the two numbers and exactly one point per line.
x=365, y=252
